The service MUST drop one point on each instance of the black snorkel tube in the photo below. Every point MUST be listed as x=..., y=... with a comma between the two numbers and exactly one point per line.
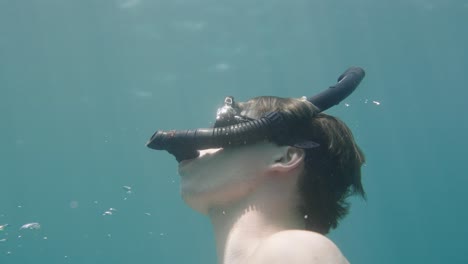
x=184, y=144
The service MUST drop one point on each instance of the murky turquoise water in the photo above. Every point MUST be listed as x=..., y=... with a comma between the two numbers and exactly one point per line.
x=84, y=84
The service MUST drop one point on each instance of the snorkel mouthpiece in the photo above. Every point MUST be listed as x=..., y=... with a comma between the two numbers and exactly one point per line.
x=174, y=142
x=232, y=129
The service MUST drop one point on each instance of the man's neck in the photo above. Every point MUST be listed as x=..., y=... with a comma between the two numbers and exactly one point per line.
x=241, y=227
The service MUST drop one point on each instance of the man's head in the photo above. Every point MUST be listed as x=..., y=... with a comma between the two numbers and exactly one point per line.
x=267, y=137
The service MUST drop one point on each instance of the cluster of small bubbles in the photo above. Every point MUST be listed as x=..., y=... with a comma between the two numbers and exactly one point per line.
x=128, y=189
x=107, y=213
x=365, y=101
x=373, y=101
x=111, y=211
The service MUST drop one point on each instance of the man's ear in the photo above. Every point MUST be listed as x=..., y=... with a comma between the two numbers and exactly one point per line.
x=287, y=159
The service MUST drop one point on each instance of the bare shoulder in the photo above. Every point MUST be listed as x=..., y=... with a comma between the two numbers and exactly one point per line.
x=298, y=247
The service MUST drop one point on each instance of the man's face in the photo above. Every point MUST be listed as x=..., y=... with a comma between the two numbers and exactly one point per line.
x=220, y=176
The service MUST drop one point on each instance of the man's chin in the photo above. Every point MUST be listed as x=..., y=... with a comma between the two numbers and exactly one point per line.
x=184, y=163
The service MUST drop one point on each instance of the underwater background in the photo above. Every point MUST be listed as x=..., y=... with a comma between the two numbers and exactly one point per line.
x=84, y=84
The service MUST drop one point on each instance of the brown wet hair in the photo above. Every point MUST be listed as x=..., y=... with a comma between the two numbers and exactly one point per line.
x=332, y=171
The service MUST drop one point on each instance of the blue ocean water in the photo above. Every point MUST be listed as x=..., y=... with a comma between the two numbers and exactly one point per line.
x=84, y=84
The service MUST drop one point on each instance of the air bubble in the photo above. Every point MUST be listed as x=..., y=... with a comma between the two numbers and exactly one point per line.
x=127, y=188
x=31, y=226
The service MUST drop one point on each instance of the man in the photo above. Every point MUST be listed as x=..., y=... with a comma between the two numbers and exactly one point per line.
x=272, y=198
